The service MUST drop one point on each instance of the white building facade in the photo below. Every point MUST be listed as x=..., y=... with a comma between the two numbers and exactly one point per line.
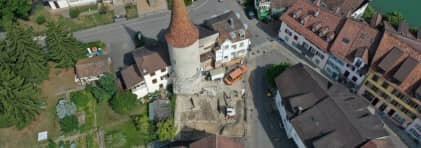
x=286, y=123
x=229, y=51
x=157, y=80
x=301, y=45
x=55, y=4
x=337, y=69
x=414, y=129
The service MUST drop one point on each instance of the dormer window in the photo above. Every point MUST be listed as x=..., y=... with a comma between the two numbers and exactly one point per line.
x=315, y=27
x=297, y=13
x=304, y=19
x=323, y=31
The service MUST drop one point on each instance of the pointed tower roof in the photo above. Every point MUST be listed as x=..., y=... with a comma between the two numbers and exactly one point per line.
x=181, y=32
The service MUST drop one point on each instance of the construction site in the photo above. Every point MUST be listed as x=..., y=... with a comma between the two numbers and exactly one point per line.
x=217, y=109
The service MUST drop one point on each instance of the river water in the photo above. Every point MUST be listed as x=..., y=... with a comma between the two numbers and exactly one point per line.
x=410, y=9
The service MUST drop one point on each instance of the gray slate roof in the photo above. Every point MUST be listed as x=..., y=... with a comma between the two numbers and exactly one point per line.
x=331, y=116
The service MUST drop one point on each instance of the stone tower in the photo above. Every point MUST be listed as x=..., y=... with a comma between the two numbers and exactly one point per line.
x=182, y=38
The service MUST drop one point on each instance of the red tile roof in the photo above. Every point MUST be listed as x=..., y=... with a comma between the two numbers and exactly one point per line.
x=306, y=10
x=354, y=39
x=216, y=142
x=181, y=32
x=388, y=45
x=93, y=66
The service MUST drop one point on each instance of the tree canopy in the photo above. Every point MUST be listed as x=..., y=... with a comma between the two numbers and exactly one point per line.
x=272, y=72
x=20, y=52
x=107, y=82
x=145, y=128
x=166, y=129
x=17, y=102
x=63, y=48
x=12, y=9
x=123, y=102
x=69, y=123
x=369, y=13
x=394, y=17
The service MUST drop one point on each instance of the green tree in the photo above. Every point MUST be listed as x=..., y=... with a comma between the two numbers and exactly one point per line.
x=369, y=13
x=145, y=128
x=107, y=82
x=17, y=102
x=40, y=19
x=64, y=49
x=24, y=55
x=123, y=102
x=100, y=94
x=10, y=10
x=272, y=72
x=82, y=99
x=394, y=17
x=166, y=129
x=69, y=123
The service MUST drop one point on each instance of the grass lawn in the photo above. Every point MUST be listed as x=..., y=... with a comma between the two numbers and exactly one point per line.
x=79, y=23
x=129, y=131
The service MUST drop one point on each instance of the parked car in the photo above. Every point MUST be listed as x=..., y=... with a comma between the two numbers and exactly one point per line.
x=235, y=75
x=250, y=13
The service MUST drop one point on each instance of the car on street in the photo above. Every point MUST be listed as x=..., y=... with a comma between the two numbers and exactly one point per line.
x=235, y=75
x=250, y=13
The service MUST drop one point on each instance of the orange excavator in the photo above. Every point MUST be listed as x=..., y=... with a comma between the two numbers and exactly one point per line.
x=235, y=75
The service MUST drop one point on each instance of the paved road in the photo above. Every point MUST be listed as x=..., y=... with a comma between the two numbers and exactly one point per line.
x=119, y=36
x=264, y=123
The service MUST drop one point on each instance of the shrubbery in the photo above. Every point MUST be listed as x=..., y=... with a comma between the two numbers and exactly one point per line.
x=74, y=12
x=123, y=102
x=69, y=123
x=40, y=20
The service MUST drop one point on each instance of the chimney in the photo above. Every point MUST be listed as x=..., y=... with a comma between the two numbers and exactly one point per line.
x=316, y=13
x=316, y=26
x=323, y=31
x=299, y=110
x=330, y=36
x=419, y=33
x=403, y=28
x=337, y=10
x=304, y=19
x=297, y=13
x=376, y=20
x=317, y=2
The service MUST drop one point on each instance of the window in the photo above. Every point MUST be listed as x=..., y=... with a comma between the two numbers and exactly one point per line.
x=241, y=44
x=226, y=47
x=295, y=37
x=288, y=32
x=375, y=78
x=152, y=74
x=346, y=74
x=385, y=85
x=162, y=77
x=358, y=63
x=345, y=40
x=225, y=57
x=154, y=81
x=354, y=78
x=163, y=69
x=234, y=46
x=161, y=86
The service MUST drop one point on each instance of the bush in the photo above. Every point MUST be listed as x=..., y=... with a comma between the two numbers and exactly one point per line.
x=369, y=12
x=74, y=13
x=51, y=144
x=145, y=127
x=115, y=139
x=123, y=102
x=394, y=18
x=69, y=123
x=40, y=20
x=166, y=129
x=100, y=94
x=107, y=82
x=82, y=99
x=272, y=72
